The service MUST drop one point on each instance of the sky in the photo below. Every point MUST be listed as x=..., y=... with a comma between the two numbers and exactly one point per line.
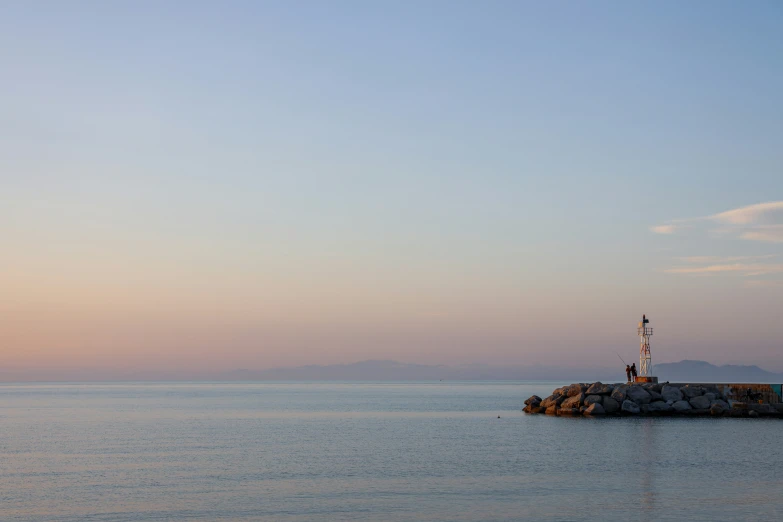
x=199, y=186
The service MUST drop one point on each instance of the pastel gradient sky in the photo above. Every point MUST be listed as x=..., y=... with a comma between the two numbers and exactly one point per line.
x=215, y=185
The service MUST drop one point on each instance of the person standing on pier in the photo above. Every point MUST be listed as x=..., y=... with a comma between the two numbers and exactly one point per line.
x=628, y=372
x=633, y=371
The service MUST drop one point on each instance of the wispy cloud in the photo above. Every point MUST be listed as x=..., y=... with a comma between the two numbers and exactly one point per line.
x=745, y=269
x=767, y=233
x=758, y=222
x=664, y=229
x=749, y=214
x=724, y=259
x=761, y=222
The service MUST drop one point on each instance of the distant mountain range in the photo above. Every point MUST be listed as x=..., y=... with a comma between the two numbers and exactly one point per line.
x=683, y=371
x=687, y=371
x=701, y=371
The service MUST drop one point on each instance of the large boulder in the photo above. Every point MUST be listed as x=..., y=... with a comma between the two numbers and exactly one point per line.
x=717, y=409
x=671, y=393
x=700, y=402
x=778, y=406
x=723, y=404
x=568, y=411
x=710, y=396
x=713, y=390
x=762, y=409
x=638, y=395
x=552, y=400
x=610, y=405
x=594, y=409
x=659, y=406
x=753, y=414
x=598, y=388
x=630, y=407
x=690, y=391
x=533, y=399
x=574, y=389
x=573, y=402
x=654, y=395
x=618, y=393
x=681, y=406
x=593, y=399
x=551, y=410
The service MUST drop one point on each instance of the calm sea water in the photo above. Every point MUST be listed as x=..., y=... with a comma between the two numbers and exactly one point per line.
x=370, y=451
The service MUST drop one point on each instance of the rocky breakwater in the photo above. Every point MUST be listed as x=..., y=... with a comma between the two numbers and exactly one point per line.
x=599, y=399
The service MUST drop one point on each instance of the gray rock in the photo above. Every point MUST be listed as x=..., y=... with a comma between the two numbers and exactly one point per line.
x=573, y=402
x=574, y=389
x=681, y=406
x=638, y=395
x=691, y=391
x=595, y=409
x=778, y=406
x=610, y=405
x=618, y=393
x=598, y=388
x=552, y=400
x=671, y=393
x=723, y=404
x=753, y=414
x=659, y=406
x=762, y=409
x=654, y=395
x=711, y=389
x=717, y=409
x=630, y=407
x=534, y=399
x=700, y=402
x=593, y=399
x=711, y=396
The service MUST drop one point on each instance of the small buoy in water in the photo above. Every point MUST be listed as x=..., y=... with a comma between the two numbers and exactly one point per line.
x=498, y=416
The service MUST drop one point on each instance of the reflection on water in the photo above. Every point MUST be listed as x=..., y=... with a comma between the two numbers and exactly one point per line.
x=380, y=452
x=647, y=452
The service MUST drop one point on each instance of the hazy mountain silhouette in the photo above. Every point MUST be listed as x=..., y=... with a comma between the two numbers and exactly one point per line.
x=687, y=371
x=396, y=371
x=701, y=371
x=374, y=370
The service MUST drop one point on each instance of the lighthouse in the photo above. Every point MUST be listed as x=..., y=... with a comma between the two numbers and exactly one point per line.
x=645, y=359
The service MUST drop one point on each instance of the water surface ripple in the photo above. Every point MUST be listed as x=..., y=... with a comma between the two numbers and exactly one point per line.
x=367, y=451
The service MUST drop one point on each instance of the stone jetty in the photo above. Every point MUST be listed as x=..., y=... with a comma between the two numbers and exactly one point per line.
x=652, y=399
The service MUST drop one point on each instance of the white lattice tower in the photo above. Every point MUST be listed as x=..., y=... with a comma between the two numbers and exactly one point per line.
x=645, y=359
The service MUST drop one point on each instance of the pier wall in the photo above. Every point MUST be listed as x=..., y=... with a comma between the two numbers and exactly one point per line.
x=770, y=393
